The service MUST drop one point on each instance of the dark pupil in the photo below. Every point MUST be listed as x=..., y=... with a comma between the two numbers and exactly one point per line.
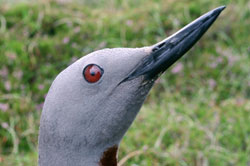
x=92, y=73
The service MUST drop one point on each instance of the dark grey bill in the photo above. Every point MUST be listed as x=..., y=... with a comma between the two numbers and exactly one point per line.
x=167, y=52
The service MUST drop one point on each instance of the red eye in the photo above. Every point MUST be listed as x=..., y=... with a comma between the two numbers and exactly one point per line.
x=92, y=73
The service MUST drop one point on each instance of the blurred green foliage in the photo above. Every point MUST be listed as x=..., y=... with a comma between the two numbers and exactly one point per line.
x=198, y=113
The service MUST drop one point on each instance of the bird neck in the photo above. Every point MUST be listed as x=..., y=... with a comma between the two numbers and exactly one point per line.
x=54, y=152
x=55, y=158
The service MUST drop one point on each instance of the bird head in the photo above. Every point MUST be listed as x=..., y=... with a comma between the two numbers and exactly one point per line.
x=92, y=103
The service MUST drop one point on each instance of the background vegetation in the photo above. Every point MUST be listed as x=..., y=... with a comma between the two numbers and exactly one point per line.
x=198, y=113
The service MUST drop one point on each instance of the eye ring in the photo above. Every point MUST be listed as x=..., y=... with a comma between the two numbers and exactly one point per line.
x=92, y=73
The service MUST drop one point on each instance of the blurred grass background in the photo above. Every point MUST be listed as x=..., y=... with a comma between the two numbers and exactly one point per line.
x=197, y=114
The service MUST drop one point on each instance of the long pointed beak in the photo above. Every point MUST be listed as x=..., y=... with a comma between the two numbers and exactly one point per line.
x=168, y=51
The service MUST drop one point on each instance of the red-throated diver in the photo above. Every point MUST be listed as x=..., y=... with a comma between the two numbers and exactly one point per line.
x=92, y=103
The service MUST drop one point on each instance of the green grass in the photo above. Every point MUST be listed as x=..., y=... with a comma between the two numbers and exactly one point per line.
x=198, y=113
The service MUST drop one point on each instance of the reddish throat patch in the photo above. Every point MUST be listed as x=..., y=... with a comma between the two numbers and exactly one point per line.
x=109, y=157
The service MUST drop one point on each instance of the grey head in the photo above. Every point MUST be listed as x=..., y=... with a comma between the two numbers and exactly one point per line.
x=92, y=103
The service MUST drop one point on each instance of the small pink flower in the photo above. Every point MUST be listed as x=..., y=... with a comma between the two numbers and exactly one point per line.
x=4, y=107
x=212, y=83
x=4, y=125
x=40, y=86
x=219, y=60
x=18, y=74
x=213, y=65
x=228, y=53
x=7, y=85
x=4, y=71
x=177, y=68
x=39, y=106
x=77, y=30
x=240, y=101
x=231, y=59
x=65, y=40
x=129, y=23
x=11, y=55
